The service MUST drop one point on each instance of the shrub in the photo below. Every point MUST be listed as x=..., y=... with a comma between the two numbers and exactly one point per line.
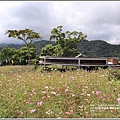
x=114, y=74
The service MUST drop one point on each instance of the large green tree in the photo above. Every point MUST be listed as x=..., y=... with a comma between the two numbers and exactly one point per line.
x=66, y=42
x=23, y=53
x=48, y=50
x=7, y=53
x=27, y=36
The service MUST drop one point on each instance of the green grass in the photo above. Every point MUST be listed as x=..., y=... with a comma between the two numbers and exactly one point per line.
x=25, y=93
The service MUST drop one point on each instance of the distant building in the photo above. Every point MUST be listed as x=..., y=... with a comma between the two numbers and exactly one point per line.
x=112, y=61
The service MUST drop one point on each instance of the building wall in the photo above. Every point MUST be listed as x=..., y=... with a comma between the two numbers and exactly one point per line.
x=112, y=61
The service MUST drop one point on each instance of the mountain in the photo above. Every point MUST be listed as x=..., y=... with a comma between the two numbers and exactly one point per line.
x=93, y=48
x=38, y=44
x=98, y=48
x=3, y=44
x=43, y=43
x=16, y=46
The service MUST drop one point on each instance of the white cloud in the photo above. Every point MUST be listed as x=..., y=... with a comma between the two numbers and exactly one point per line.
x=99, y=19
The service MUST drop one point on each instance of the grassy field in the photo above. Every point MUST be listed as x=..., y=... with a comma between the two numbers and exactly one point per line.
x=25, y=93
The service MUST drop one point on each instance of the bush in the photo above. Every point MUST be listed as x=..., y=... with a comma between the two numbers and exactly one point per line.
x=114, y=74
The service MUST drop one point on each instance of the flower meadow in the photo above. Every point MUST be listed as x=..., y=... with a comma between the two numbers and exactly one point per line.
x=25, y=93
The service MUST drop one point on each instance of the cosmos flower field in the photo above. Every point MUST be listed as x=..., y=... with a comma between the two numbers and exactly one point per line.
x=25, y=93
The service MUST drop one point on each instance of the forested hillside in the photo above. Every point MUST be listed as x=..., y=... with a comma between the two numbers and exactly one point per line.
x=99, y=48
x=94, y=48
x=38, y=44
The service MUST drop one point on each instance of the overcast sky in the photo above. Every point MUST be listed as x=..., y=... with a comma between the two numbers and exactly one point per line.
x=100, y=20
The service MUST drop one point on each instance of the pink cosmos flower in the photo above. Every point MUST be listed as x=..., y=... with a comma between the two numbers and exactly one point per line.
x=51, y=87
x=69, y=113
x=57, y=89
x=34, y=93
x=32, y=110
x=68, y=101
x=30, y=101
x=66, y=90
x=39, y=103
x=73, y=95
x=72, y=107
x=20, y=113
x=100, y=97
x=118, y=101
x=72, y=77
x=85, y=86
x=111, y=110
x=98, y=92
x=54, y=93
x=80, y=106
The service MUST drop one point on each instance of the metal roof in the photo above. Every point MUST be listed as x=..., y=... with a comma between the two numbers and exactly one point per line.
x=72, y=58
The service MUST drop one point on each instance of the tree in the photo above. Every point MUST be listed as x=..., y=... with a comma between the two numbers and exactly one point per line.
x=66, y=42
x=7, y=53
x=27, y=36
x=48, y=50
x=23, y=53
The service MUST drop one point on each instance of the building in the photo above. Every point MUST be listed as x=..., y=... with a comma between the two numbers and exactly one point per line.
x=72, y=61
x=112, y=61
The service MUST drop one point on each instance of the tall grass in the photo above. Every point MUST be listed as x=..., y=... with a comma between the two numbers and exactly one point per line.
x=25, y=93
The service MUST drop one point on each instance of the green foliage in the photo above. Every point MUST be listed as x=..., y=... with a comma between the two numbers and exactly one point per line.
x=94, y=48
x=7, y=53
x=114, y=74
x=48, y=50
x=98, y=48
x=17, y=55
x=66, y=42
x=27, y=36
x=23, y=53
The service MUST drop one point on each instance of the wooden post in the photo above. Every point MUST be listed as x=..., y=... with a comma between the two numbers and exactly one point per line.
x=79, y=63
x=44, y=62
x=62, y=67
